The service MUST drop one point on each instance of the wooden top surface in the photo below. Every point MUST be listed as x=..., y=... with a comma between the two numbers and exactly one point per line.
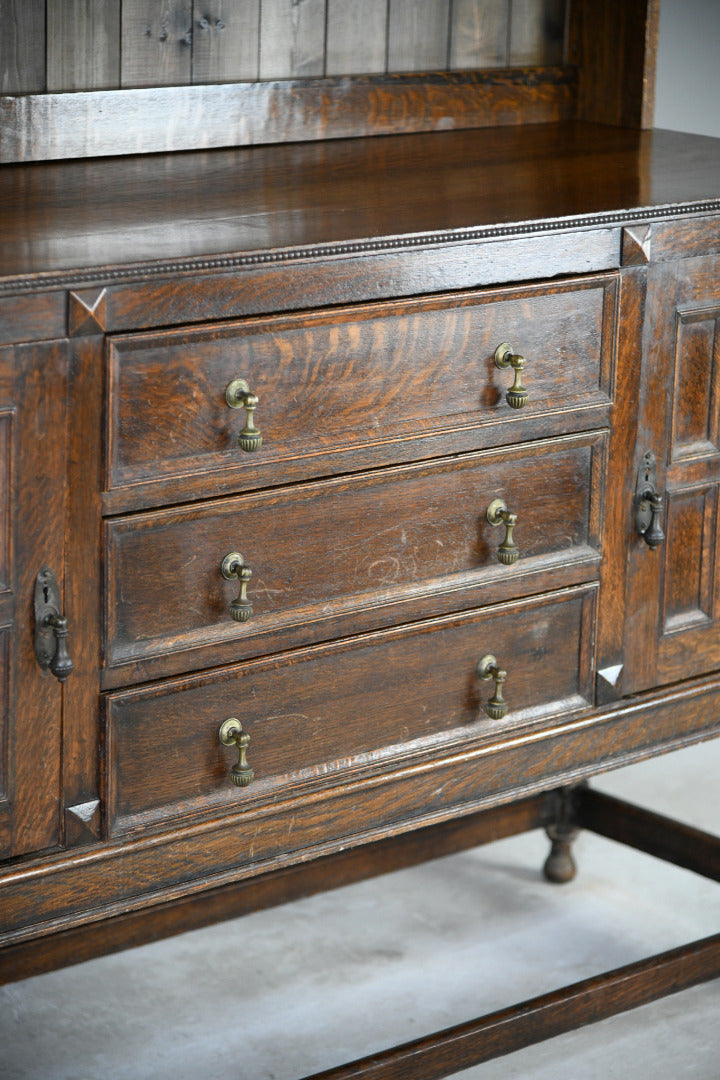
x=64, y=216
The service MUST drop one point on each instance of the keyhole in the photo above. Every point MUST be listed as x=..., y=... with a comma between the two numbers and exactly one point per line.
x=46, y=594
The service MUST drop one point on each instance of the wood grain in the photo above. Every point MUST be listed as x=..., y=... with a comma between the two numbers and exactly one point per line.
x=356, y=37
x=418, y=35
x=654, y=834
x=81, y=737
x=366, y=543
x=83, y=45
x=672, y=595
x=42, y=127
x=464, y=199
x=32, y=425
x=619, y=491
x=543, y=1017
x=226, y=40
x=537, y=32
x=74, y=946
x=63, y=891
x=479, y=33
x=156, y=42
x=32, y=317
x=82, y=48
x=22, y=46
x=315, y=269
x=614, y=45
x=318, y=714
x=292, y=364
x=292, y=39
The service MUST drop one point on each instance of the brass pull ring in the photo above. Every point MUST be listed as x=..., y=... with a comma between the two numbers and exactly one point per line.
x=488, y=668
x=232, y=734
x=498, y=514
x=239, y=396
x=517, y=395
x=234, y=569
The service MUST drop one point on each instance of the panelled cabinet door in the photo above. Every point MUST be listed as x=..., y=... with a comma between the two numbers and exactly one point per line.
x=674, y=585
x=33, y=387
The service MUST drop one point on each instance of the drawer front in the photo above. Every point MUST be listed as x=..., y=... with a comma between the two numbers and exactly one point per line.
x=321, y=551
x=316, y=715
x=350, y=381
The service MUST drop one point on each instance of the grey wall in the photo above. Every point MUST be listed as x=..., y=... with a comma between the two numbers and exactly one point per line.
x=687, y=91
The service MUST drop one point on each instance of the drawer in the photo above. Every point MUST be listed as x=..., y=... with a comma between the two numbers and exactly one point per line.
x=322, y=715
x=351, y=388
x=364, y=546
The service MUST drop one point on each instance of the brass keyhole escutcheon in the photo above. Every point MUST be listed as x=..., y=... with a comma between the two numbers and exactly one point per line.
x=488, y=668
x=517, y=395
x=234, y=569
x=238, y=395
x=498, y=514
x=231, y=734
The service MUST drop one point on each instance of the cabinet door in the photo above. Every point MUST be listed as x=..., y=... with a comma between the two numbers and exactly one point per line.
x=674, y=589
x=33, y=383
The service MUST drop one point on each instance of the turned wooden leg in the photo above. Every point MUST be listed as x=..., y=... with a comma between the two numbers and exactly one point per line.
x=562, y=830
x=560, y=866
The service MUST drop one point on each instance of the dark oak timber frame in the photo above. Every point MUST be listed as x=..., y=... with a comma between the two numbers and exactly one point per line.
x=255, y=212
x=473, y=1042
x=588, y=1001
x=38, y=127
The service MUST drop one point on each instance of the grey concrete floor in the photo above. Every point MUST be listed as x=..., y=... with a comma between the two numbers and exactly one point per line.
x=287, y=992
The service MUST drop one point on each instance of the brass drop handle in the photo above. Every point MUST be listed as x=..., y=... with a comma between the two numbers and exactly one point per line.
x=239, y=396
x=51, y=627
x=648, y=503
x=488, y=668
x=232, y=734
x=517, y=395
x=234, y=569
x=653, y=534
x=498, y=514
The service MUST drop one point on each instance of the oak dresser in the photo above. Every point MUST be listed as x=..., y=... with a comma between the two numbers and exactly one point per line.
x=359, y=495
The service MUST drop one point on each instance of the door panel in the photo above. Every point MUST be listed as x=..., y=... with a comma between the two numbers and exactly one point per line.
x=33, y=383
x=674, y=606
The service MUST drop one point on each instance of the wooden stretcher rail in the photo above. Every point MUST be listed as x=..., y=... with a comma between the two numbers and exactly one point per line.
x=460, y=1047
x=539, y=1018
x=654, y=834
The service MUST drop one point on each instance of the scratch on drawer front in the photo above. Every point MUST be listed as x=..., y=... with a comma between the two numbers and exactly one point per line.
x=386, y=571
x=260, y=586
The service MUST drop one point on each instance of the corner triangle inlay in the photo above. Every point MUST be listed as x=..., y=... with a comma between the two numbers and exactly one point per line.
x=636, y=245
x=82, y=823
x=611, y=674
x=85, y=810
x=87, y=312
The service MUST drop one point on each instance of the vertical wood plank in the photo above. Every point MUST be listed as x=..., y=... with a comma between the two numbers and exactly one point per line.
x=356, y=37
x=479, y=33
x=292, y=38
x=418, y=35
x=83, y=45
x=22, y=46
x=614, y=45
x=226, y=40
x=537, y=32
x=156, y=42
